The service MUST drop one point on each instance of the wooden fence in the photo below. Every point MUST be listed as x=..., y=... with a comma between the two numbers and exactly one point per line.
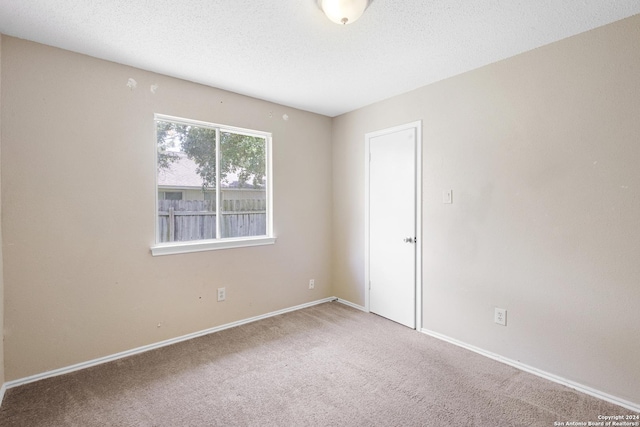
x=183, y=220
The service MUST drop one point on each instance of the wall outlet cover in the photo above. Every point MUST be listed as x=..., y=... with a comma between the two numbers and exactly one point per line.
x=500, y=316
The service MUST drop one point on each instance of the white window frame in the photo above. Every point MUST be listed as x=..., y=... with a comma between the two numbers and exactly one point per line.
x=171, y=248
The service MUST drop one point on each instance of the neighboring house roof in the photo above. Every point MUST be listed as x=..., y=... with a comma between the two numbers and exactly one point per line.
x=183, y=173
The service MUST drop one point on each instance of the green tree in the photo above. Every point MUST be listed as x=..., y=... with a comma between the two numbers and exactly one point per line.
x=245, y=156
x=200, y=146
x=240, y=154
x=166, y=134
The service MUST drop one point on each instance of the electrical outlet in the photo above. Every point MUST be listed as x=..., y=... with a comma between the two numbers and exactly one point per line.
x=312, y=284
x=500, y=316
x=222, y=294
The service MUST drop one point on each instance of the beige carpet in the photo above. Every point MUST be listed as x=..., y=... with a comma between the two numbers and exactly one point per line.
x=328, y=365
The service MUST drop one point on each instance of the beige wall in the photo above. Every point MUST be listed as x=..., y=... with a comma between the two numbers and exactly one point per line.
x=80, y=282
x=542, y=152
x=1, y=263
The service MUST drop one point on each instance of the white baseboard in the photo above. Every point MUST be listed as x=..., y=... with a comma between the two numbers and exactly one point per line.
x=551, y=377
x=350, y=304
x=3, y=389
x=127, y=353
x=546, y=375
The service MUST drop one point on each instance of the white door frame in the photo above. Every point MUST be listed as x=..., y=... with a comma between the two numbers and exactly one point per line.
x=417, y=125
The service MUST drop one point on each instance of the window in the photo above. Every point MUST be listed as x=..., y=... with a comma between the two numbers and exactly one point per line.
x=213, y=186
x=170, y=195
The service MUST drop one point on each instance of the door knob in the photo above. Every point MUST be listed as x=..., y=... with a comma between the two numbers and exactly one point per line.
x=408, y=239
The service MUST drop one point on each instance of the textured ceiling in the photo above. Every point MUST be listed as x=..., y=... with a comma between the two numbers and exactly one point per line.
x=288, y=52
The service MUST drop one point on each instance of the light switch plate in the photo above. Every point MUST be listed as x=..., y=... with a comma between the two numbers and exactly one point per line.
x=447, y=196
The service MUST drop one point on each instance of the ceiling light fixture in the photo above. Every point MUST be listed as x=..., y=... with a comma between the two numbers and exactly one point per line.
x=343, y=11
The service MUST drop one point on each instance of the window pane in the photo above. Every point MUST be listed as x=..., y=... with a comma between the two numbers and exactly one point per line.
x=211, y=181
x=243, y=185
x=172, y=195
x=186, y=171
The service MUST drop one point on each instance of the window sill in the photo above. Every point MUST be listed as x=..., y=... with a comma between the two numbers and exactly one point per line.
x=209, y=245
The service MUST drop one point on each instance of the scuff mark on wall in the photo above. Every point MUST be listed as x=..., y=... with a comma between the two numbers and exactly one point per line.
x=132, y=84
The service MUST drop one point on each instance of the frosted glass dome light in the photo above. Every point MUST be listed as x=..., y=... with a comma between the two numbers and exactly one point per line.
x=343, y=11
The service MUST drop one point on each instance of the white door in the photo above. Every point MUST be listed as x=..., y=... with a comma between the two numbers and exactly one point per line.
x=392, y=226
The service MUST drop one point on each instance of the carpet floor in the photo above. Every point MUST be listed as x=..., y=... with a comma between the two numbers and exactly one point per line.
x=327, y=365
